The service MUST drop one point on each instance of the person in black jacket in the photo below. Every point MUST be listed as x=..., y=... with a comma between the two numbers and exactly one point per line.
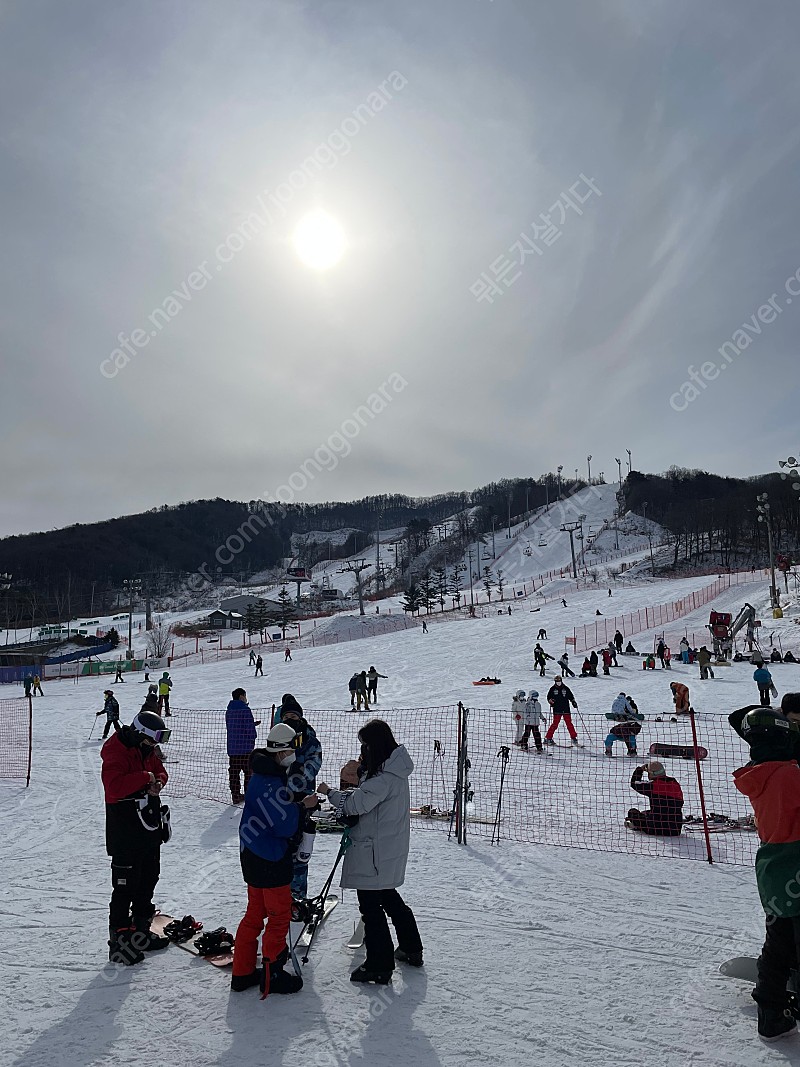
x=561, y=700
x=110, y=710
x=665, y=817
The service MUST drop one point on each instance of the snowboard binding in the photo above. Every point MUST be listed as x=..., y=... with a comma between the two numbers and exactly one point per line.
x=180, y=930
x=214, y=942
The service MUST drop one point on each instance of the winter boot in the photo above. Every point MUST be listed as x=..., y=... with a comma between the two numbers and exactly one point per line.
x=632, y=753
x=773, y=1024
x=361, y=974
x=413, y=959
x=549, y=741
x=273, y=979
x=574, y=741
x=121, y=949
x=240, y=982
x=144, y=939
x=609, y=753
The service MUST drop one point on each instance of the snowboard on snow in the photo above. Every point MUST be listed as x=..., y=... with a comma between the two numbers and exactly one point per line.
x=659, y=748
x=159, y=924
x=744, y=967
x=357, y=940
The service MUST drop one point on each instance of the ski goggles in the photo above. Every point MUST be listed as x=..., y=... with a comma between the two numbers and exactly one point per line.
x=158, y=737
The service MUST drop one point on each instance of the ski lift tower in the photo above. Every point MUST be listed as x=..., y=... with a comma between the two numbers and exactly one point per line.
x=298, y=575
x=356, y=566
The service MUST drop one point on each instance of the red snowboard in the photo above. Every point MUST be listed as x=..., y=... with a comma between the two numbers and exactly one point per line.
x=679, y=751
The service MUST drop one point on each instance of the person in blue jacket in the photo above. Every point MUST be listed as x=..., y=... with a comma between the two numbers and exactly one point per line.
x=270, y=822
x=241, y=730
x=302, y=780
x=763, y=680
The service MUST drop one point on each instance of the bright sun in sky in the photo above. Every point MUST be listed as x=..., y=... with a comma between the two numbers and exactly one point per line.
x=319, y=241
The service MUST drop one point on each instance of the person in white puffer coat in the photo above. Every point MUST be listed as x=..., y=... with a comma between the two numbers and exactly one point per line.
x=533, y=718
x=518, y=714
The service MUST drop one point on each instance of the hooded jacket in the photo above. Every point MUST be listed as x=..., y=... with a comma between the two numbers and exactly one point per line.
x=240, y=727
x=380, y=840
x=532, y=715
x=133, y=817
x=773, y=789
x=270, y=819
x=302, y=775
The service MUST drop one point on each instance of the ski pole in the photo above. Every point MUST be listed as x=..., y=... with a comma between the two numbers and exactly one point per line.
x=316, y=906
x=503, y=755
x=94, y=723
x=585, y=728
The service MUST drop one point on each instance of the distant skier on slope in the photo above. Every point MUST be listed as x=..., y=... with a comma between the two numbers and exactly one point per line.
x=110, y=710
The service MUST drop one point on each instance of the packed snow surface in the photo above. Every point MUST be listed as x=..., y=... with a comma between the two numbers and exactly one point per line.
x=533, y=954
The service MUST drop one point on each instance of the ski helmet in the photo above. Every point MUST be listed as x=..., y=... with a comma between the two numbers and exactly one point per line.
x=764, y=724
x=520, y=694
x=280, y=738
x=534, y=695
x=148, y=724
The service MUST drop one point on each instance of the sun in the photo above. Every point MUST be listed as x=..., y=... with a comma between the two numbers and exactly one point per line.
x=319, y=241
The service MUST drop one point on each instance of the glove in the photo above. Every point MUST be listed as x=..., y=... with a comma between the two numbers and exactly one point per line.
x=97, y=714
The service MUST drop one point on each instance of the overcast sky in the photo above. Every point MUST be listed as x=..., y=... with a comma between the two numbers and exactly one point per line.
x=138, y=138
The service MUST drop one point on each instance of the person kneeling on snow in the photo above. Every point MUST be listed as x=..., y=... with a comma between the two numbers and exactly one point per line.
x=533, y=717
x=628, y=724
x=771, y=782
x=665, y=817
x=136, y=827
x=270, y=820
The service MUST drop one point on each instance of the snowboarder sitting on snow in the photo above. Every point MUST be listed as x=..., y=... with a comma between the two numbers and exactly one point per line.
x=789, y=657
x=630, y=650
x=110, y=710
x=665, y=817
x=561, y=700
x=136, y=826
x=270, y=820
x=775, y=656
x=628, y=724
x=533, y=717
x=302, y=780
x=587, y=670
x=771, y=782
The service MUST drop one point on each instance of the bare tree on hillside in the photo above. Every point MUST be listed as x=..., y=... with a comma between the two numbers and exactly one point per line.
x=159, y=638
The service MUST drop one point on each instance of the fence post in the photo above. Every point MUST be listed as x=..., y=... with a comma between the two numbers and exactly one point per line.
x=458, y=794
x=700, y=788
x=30, y=739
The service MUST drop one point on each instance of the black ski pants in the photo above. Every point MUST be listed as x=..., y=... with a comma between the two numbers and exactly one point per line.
x=764, y=695
x=778, y=958
x=375, y=905
x=134, y=877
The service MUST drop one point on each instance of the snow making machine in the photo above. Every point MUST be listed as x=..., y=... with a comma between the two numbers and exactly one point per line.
x=724, y=628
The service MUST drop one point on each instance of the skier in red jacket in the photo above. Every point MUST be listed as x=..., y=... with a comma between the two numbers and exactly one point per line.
x=136, y=825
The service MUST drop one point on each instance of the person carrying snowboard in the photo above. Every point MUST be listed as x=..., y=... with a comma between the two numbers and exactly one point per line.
x=136, y=827
x=518, y=714
x=302, y=780
x=628, y=724
x=665, y=815
x=561, y=700
x=240, y=731
x=270, y=820
x=766, y=689
x=164, y=686
x=110, y=710
x=771, y=782
x=533, y=717
x=563, y=662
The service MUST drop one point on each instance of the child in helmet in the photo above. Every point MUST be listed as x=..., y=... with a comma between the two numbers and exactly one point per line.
x=270, y=820
x=518, y=714
x=771, y=782
x=628, y=720
x=532, y=717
